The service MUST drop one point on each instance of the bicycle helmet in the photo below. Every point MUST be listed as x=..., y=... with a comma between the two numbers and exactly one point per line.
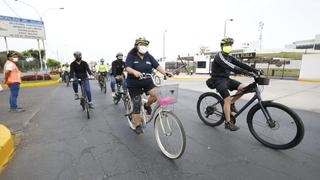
x=226, y=41
x=142, y=41
x=119, y=54
x=77, y=54
x=101, y=60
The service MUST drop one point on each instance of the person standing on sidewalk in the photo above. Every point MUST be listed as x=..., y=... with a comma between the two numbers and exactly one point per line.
x=13, y=80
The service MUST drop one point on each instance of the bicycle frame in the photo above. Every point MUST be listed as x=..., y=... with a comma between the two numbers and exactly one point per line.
x=257, y=96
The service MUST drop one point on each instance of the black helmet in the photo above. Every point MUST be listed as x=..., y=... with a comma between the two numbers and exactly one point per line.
x=77, y=54
x=141, y=41
x=226, y=40
x=119, y=54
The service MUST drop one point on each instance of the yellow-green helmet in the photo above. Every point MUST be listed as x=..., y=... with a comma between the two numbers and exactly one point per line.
x=141, y=41
x=226, y=40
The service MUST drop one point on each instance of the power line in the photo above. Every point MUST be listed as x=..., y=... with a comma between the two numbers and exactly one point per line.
x=11, y=8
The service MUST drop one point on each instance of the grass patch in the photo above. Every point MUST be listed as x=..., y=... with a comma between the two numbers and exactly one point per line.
x=286, y=72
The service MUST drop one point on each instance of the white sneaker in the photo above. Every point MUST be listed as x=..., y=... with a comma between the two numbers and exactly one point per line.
x=113, y=94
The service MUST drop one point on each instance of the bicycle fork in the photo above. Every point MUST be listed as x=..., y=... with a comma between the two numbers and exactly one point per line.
x=164, y=122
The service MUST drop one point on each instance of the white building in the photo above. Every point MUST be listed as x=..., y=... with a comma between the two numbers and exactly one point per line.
x=306, y=44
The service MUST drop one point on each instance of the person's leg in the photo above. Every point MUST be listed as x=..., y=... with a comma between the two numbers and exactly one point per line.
x=124, y=85
x=113, y=83
x=75, y=86
x=14, y=92
x=236, y=97
x=152, y=97
x=87, y=89
x=135, y=94
x=226, y=108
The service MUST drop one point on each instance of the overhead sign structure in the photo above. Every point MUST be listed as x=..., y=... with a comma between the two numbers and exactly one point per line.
x=13, y=27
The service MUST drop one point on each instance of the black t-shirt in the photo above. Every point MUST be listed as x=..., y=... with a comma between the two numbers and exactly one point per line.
x=79, y=70
x=144, y=65
x=117, y=67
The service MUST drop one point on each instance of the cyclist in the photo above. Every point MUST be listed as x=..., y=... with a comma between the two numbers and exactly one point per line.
x=222, y=65
x=66, y=71
x=139, y=61
x=63, y=69
x=102, y=70
x=80, y=69
x=117, y=72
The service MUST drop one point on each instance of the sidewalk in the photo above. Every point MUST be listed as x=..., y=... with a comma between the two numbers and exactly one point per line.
x=31, y=99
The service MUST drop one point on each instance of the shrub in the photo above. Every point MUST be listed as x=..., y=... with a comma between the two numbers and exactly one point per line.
x=36, y=77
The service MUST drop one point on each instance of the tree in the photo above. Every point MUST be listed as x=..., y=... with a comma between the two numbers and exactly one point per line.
x=52, y=63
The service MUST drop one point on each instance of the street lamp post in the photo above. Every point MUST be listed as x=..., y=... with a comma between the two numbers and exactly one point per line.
x=261, y=24
x=44, y=29
x=225, y=26
x=164, y=46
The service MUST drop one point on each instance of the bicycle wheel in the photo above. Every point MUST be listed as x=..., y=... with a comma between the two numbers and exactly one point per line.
x=67, y=81
x=169, y=134
x=286, y=131
x=157, y=80
x=104, y=86
x=88, y=110
x=210, y=109
x=82, y=104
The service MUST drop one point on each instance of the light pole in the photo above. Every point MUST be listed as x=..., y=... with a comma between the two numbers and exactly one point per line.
x=44, y=29
x=261, y=24
x=225, y=26
x=164, y=46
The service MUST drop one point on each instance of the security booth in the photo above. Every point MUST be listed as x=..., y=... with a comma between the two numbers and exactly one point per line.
x=204, y=62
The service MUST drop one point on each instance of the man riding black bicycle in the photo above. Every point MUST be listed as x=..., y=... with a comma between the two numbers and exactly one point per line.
x=79, y=69
x=222, y=65
x=117, y=73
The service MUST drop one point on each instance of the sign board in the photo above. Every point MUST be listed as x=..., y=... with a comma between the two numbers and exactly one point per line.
x=21, y=28
x=248, y=55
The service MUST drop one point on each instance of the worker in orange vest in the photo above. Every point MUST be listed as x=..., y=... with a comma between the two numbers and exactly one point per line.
x=13, y=80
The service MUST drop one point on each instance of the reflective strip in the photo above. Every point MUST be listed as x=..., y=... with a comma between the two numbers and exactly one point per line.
x=226, y=62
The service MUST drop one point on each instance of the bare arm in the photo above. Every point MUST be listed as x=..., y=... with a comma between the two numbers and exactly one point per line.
x=6, y=75
x=161, y=70
x=134, y=72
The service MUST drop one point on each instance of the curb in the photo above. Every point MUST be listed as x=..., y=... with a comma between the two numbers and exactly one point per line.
x=6, y=146
x=35, y=84
x=309, y=80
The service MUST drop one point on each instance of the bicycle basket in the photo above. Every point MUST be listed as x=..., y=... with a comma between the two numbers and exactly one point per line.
x=167, y=94
x=262, y=81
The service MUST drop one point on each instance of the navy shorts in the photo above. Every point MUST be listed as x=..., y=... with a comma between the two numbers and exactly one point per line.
x=223, y=85
x=143, y=88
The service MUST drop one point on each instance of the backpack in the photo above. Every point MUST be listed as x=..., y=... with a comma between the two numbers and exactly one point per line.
x=210, y=83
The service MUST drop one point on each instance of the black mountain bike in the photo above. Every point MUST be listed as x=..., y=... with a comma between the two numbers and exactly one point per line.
x=102, y=82
x=120, y=94
x=84, y=102
x=272, y=124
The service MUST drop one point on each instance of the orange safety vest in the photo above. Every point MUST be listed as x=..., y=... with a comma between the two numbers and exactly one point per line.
x=14, y=76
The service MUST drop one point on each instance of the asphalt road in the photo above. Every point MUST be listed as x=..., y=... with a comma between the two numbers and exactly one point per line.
x=61, y=144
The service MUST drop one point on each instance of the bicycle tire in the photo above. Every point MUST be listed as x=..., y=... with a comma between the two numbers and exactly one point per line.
x=295, y=119
x=158, y=128
x=82, y=104
x=88, y=110
x=211, y=110
x=67, y=81
x=105, y=86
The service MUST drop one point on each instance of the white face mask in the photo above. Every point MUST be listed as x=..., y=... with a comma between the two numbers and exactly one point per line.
x=143, y=49
x=15, y=59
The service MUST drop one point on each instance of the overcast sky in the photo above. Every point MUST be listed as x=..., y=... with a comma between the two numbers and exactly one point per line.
x=100, y=28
